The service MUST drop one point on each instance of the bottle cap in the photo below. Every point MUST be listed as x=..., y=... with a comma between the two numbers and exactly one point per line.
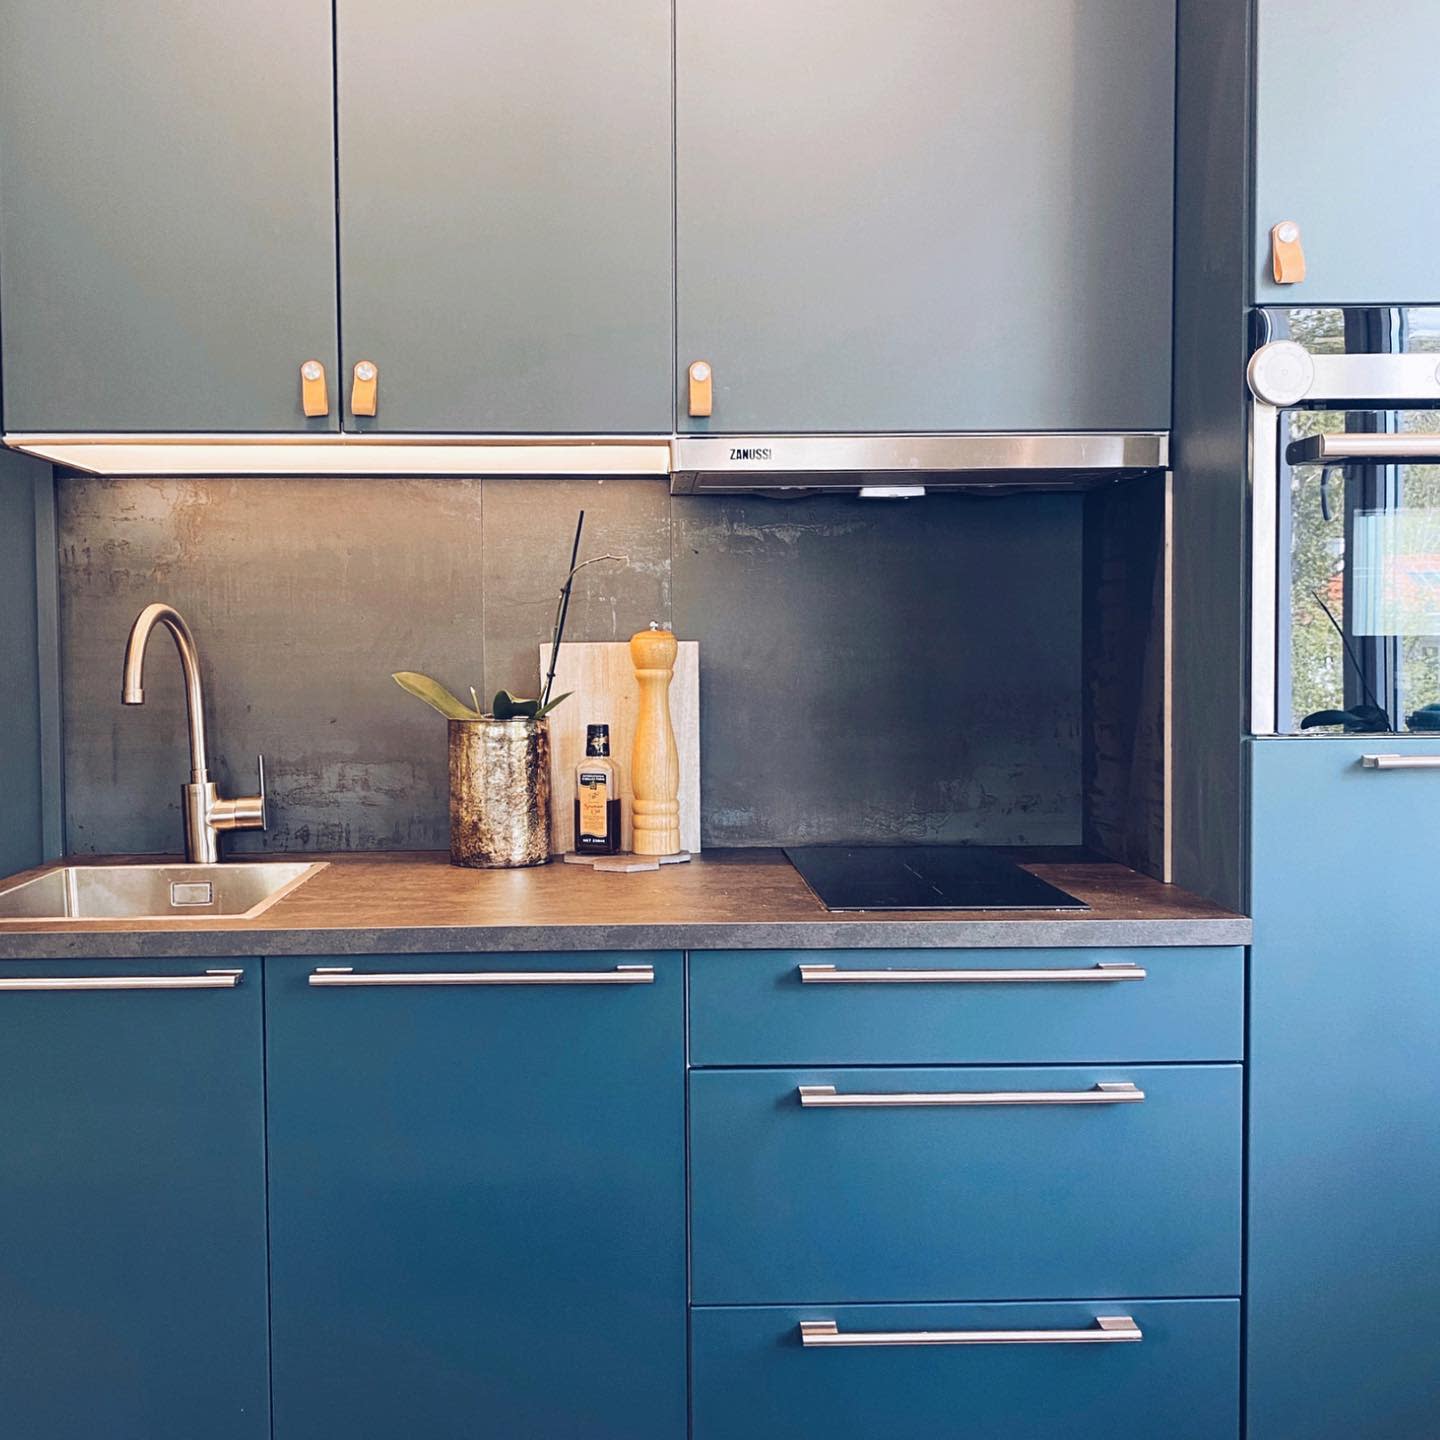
x=597, y=740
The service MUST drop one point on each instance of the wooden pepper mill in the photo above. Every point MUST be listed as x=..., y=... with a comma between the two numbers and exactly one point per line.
x=655, y=762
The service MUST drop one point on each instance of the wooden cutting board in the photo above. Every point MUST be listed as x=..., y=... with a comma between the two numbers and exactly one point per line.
x=606, y=693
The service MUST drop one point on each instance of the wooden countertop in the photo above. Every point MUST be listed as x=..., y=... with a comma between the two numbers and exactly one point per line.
x=416, y=903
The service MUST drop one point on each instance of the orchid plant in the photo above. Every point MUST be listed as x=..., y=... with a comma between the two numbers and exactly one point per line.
x=506, y=706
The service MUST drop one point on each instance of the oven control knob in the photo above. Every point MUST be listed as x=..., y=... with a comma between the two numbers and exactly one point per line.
x=1281, y=373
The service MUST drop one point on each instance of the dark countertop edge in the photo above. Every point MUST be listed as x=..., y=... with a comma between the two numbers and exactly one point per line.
x=966, y=934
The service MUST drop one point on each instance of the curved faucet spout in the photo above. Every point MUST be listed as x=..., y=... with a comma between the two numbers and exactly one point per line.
x=132, y=690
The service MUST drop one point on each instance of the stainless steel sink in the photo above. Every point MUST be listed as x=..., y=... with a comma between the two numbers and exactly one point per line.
x=233, y=891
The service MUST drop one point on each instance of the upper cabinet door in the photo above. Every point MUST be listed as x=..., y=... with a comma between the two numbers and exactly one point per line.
x=167, y=230
x=1345, y=142
x=942, y=215
x=505, y=214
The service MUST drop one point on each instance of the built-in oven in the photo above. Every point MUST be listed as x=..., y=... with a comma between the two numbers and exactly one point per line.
x=1345, y=535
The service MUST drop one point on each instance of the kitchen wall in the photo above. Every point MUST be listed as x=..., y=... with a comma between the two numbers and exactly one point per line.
x=870, y=670
x=22, y=789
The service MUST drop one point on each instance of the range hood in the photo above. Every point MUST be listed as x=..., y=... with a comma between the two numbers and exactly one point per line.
x=912, y=464
x=696, y=465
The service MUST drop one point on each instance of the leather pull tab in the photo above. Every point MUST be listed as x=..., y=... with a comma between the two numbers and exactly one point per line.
x=314, y=393
x=363, y=398
x=700, y=387
x=1287, y=255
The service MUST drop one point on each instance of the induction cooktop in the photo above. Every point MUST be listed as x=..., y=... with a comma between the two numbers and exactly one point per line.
x=923, y=877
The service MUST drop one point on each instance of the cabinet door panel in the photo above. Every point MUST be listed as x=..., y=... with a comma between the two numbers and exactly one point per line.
x=753, y=1380
x=167, y=227
x=752, y=1007
x=1344, y=1076
x=505, y=213
x=1345, y=147
x=477, y=1204
x=132, y=1199
x=869, y=1201
x=951, y=214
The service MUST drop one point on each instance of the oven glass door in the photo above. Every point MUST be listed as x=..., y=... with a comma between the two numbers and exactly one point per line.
x=1359, y=582
x=1357, y=525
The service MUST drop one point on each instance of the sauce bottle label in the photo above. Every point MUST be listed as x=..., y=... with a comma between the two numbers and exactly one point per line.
x=594, y=793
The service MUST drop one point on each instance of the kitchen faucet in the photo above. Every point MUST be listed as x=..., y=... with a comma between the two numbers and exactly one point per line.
x=206, y=814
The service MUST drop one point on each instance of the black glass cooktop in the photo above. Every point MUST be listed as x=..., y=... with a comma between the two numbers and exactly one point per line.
x=923, y=877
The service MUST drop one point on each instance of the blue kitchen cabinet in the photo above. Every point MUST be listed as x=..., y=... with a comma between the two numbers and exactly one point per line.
x=1345, y=128
x=477, y=1197
x=1344, y=1074
x=1001, y=1183
x=132, y=1202
x=931, y=216
x=983, y=1007
x=167, y=214
x=754, y=1379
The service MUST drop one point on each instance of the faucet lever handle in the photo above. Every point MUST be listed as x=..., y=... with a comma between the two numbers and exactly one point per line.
x=249, y=812
x=264, y=808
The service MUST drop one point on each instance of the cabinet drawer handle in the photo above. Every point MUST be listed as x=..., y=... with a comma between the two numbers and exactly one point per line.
x=210, y=980
x=1400, y=762
x=1106, y=972
x=1107, y=1330
x=824, y=1097
x=620, y=975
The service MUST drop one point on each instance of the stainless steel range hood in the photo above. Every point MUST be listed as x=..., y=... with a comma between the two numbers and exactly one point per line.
x=887, y=464
x=697, y=465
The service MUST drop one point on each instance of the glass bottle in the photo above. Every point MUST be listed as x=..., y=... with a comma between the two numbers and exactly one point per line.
x=597, y=798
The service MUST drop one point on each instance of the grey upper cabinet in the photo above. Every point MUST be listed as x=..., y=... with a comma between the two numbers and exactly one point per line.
x=945, y=214
x=167, y=235
x=1346, y=122
x=505, y=213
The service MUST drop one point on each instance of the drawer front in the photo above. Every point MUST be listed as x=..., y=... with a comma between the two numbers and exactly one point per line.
x=754, y=1379
x=1073, y=1191
x=782, y=1007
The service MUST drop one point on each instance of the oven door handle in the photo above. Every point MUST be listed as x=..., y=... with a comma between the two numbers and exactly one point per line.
x=1384, y=447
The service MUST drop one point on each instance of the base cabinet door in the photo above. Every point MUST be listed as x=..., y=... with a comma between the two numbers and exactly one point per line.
x=477, y=1198
x=132, y=1202
x=756, y=1379
x=1344, y=1132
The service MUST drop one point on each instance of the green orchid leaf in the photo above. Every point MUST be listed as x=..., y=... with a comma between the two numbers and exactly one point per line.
x=434, y=694
x=546, y=709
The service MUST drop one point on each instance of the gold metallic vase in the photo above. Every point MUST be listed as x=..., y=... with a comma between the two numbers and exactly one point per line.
x=499, y=793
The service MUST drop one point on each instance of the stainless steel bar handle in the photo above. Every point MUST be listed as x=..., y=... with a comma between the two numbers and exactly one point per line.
x=1107, y=1330
x=620, y=975
x=1338, y=446
x=1106, y=972
x=210, y=980
x=1400, y=762
x=825, y=1097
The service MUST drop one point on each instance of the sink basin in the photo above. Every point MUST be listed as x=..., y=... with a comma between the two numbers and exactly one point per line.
x=235, y=891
